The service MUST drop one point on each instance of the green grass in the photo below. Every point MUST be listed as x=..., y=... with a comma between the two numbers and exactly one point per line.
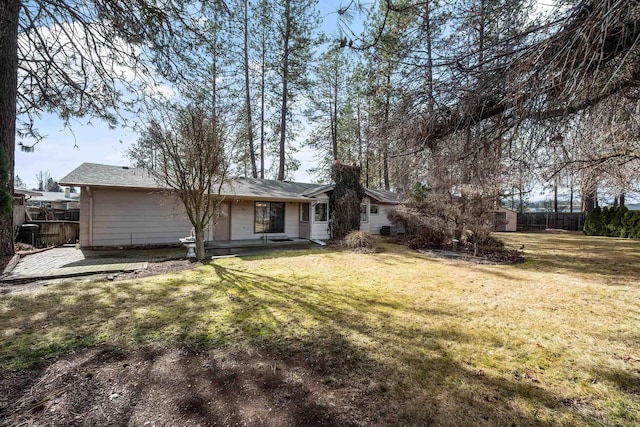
x=552, y=341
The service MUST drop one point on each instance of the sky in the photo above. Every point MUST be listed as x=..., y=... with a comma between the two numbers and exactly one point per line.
x=62, y=150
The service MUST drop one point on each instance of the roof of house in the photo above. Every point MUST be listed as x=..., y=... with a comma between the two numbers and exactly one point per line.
x=52, y=196
x=254, y=187
x=25, y=192
x=109, y=176
x=384, y=196
x=98, y=175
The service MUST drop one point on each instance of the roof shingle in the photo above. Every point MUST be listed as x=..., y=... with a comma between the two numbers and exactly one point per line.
x=94, y=174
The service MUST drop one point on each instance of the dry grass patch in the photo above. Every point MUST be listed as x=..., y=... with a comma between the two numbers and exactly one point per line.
x=409, y=339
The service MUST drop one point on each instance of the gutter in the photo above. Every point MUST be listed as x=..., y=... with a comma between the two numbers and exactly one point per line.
x=90, y=215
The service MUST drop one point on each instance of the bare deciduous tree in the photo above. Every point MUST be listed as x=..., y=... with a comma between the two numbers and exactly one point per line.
x=190, y=162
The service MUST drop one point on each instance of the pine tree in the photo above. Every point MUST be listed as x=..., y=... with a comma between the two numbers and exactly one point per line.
x=328, y=110
x=296, y=27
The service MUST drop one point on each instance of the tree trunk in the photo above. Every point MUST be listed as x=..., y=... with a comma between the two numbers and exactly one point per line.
x=622, y=199
x=385, y=147
x=285, y=93
x=9, y=14
x=359, y=135
x=263, y=69
x=385, y=166
x=334, y=117
x=247, y=92
x=571, y=199
x=427, y=29
x=200, y=253
x=589, y=202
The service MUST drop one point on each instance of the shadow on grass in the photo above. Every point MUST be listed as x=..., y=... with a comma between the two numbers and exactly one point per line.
x=578, y=254
x=382, y=347
x=571, y=253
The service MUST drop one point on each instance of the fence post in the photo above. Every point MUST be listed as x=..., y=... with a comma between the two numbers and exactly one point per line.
x=61, y=239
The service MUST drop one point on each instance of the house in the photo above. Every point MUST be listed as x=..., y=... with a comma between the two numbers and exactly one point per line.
x=54, y=200
x=505, y=219
x=126, y=206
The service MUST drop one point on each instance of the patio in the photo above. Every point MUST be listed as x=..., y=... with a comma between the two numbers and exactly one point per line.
x=70, y=262
x=64, y=262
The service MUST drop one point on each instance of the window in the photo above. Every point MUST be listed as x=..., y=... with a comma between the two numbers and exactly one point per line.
x=304, y=212
x=364, y=217
x=373, y=209
x=321, y=212
x=269, y=217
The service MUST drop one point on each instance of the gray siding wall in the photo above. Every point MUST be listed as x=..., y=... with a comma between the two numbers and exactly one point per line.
x=376, y=221
x=124, y=217
x=379, y=220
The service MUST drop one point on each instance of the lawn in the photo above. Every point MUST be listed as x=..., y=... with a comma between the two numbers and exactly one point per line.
x=391, y=338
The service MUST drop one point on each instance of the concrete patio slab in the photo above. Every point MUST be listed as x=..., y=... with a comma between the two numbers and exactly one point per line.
x=273, y=243
x=69, y=262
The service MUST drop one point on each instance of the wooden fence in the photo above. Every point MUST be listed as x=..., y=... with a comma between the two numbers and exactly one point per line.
x=54, y=233
x=536, y=221
x=46, y=214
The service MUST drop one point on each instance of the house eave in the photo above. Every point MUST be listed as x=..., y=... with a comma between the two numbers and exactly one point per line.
x=117, y=187
x=269, y=198
x=300, y=199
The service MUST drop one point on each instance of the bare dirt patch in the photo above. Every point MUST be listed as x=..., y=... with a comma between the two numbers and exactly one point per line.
x=177, y=386
x=155, y=268
x=501, y=257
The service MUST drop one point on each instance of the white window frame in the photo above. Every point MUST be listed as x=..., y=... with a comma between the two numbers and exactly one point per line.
x=326, y=212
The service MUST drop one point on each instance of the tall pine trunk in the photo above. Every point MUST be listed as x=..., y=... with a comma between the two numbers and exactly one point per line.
x=263, y=64
x=247, y=93
x=334, y=116
x=285, y=92
x=9, y=15
x=385, y=145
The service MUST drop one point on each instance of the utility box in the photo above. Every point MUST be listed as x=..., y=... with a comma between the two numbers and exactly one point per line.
x=387, y=230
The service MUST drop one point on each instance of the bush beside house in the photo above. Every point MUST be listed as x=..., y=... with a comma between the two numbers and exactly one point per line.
x=613, y=222
x=360, y=241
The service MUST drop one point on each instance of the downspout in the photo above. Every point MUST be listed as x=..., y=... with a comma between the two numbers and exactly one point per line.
x=90, y=215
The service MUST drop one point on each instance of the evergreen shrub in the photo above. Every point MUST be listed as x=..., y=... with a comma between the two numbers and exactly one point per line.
x=613, y=222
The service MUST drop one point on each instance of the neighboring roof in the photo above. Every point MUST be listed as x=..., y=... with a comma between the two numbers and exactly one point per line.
x=93, y=174
x=25, y=192
x=633, y=206
x=52, y=196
